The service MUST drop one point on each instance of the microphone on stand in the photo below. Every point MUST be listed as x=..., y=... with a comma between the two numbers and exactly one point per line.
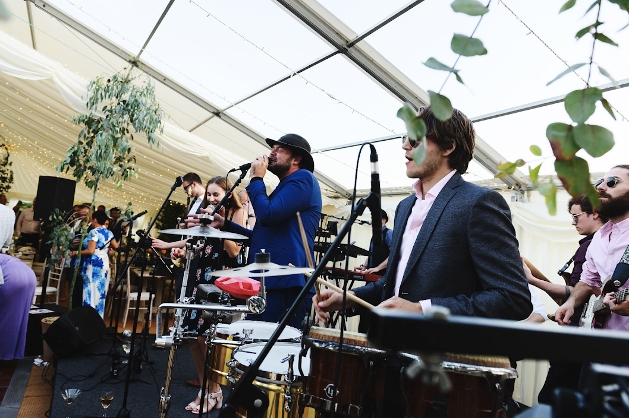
x=134, y=217
x=243, y=167
x=375, y=207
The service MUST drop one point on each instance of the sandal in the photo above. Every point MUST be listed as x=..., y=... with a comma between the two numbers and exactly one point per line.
x=211, y=400
x=194, y=404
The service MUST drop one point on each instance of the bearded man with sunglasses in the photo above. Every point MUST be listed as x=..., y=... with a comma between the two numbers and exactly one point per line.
x=605, y=251
x=453, y=244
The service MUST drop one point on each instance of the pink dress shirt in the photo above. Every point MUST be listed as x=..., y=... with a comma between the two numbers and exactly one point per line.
x=414, y=225
x=605, y=251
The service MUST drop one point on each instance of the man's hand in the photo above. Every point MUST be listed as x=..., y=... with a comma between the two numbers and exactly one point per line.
x=621, y=308
x=218, y=222
x=398, y=303
x=564, y=313
x=259, y=166
x=326, y=301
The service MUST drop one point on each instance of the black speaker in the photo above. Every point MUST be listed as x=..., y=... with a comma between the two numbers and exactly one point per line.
x=74, y=331
x=53, y=193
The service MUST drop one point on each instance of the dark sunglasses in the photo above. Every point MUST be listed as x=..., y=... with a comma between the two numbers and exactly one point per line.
x=610, y=182
x=413, y=142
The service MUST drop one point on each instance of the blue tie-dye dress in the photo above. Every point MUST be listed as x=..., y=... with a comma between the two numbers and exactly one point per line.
x=95, y=270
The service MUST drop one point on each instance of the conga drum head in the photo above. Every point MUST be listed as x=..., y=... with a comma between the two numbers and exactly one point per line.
x=275, y=365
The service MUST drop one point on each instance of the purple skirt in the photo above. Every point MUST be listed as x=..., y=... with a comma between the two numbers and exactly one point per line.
x=16, y=296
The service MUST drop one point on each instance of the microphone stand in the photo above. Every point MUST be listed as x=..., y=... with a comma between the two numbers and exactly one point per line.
x=245, y=394
x=124, y=412
x=218, y=207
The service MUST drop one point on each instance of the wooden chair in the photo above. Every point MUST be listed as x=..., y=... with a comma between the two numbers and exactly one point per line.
x=132, y=300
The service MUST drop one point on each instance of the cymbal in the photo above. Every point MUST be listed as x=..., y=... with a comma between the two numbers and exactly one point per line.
x=204, y=231
x=262, y=269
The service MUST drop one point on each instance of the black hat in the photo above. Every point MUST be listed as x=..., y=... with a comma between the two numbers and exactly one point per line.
x=298, y=144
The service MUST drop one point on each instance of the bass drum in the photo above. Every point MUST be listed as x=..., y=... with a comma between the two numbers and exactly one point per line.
x=231, y=336
x=282, y=383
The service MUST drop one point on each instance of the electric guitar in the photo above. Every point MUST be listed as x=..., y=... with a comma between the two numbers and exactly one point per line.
x=600, y=310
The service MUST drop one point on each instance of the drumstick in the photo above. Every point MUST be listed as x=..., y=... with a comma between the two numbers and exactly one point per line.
x=339, y=290
x=304, y=240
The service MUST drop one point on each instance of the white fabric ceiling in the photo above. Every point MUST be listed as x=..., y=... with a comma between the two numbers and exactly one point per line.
x=224, y=52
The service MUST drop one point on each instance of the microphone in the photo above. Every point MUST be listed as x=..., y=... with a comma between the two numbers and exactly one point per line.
x=178, y=181
x=243, y=167
x=375, y=207
x=134, y=217
x=361, y=222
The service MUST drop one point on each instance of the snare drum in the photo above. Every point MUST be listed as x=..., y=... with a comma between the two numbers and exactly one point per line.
x=231, y=336
x=274, y=376
x=477, y=382
x=361, y=378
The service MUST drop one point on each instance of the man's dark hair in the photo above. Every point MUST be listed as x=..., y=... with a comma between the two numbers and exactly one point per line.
x=586, y=206
x=100, y=216
x=193, y=177
x=625, y=166
x=114, y=209
x=458, y=131
x=385, y=216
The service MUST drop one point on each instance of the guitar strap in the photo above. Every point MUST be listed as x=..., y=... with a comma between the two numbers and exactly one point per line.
x=621, y=272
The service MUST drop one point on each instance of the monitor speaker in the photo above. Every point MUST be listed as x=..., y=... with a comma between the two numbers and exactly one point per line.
x=74, y=331
x=53, y=193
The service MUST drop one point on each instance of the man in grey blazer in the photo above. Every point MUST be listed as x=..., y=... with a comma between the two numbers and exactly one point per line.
x=453, y=244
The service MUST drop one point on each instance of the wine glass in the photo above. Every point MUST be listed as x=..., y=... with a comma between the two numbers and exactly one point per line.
x=106, y=397
x=69, y=395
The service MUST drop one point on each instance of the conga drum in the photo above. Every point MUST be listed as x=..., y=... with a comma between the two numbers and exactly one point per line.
x=360, y=381
x=478, y=383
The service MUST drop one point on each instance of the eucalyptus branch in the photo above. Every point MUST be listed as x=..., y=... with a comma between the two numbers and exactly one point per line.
x=594, y=39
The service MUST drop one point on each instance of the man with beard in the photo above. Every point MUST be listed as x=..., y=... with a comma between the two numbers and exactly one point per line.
x=277, y=230
x=608, y=246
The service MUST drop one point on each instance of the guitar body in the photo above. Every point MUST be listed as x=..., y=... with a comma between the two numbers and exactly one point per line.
x=602, y=312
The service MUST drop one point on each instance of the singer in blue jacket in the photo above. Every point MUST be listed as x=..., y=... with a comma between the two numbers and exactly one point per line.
x=277, y=229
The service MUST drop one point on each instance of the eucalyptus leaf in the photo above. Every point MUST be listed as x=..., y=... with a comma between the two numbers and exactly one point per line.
x=604, y=38
x=469, y=7
x=437, y=65
x=415, y=127
x=440, y=106
x=606, y=74
x=608, y=107
x=535, y=150
x=623, y=4
x=574, y=175
x=569, y=70
x=581, y=104
x=592, y=194
x=534, y=174
x=549, y=191
x=561, y=138
x=419, y=153
x=467, y=46
x=508, y=167
x=594, y=139
x=567, y=5
x=596, y=2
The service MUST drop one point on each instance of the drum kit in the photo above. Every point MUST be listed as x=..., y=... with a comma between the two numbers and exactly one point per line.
x=325, y=373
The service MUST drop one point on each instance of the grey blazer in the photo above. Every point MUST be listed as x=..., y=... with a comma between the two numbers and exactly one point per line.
x=465, y=257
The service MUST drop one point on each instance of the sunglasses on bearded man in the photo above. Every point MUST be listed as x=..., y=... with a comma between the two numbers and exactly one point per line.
x=610, y=182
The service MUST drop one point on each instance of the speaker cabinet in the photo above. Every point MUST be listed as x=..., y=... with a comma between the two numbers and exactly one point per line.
x=53, y=193
x=74, y=331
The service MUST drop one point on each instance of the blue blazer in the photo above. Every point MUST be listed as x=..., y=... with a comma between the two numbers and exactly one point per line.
x=465, y=257
x=277, y=229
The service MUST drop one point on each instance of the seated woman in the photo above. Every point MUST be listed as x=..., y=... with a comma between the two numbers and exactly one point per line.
x=95, y=262
x=217, y=254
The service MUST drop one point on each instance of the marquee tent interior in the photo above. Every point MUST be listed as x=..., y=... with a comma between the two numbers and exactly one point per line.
x=229, y=74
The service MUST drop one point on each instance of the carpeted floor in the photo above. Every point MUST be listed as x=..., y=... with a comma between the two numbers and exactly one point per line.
x=79, y=372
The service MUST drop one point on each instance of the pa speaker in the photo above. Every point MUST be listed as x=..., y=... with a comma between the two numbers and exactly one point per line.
x=53, y=193
x=74, y=331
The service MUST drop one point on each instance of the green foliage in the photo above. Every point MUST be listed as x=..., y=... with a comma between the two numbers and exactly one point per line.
x=440, y=106
x=469, y=7
x=437, y=65
x=581, y=104
x=535, y=150
x=534, y=175
x=415, y=127
x=6, y=172
x=549, y=191
x=561, y=138
x=467, y=46
x=61, y=236
x=117, y=108
x=568, y=71
x=595, y=140
x=168, y=219
x=567, y=5
x=508, y=168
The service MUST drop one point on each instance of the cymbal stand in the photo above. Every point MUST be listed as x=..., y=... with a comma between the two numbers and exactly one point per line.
x=143, y=245
x=245, y=394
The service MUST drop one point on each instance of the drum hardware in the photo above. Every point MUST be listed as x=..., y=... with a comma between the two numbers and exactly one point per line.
x=241, y=395
x=204, y=231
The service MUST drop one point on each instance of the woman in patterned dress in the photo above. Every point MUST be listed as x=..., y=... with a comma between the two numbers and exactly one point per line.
x=95, y=262
x=217, y=254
